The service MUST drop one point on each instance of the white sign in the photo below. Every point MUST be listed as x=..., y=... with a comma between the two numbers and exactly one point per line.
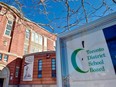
x=28, y=68
x=89, y=58
x=86, y=57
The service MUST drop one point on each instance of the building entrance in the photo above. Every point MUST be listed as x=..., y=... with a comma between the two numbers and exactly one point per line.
x=4, y=75
x=1, y=82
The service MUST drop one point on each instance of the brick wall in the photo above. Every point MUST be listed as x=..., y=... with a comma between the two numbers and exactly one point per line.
x=46, y=69
x=14, y=47
x=12, y=63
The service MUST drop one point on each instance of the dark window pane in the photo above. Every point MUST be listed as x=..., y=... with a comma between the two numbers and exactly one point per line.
x=40, y=69
x=0, y=7
x=0, y=56
x=17, y=72
x=9, y=22
x=53, y=67
x=9, y=27
x=27, y=33
x=53, y=73
x=7, y=32
x=6, y=58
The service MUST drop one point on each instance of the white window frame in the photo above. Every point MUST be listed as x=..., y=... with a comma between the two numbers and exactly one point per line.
x=36, y=38
x=33, y=36
x=27, y=49
x=7, y=29
x=40, y=39
x=27, y=35
x=17, y=72
x=45, y=41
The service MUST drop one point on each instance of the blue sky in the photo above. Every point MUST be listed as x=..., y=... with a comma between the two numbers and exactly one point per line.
x=56, y=9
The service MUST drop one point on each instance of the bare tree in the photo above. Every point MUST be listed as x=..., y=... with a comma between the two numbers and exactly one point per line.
x=75, y=12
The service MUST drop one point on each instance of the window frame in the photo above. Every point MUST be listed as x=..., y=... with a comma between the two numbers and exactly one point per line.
x=17, y=71
x=53, y=69
x=40, y=63
x=27, y=34
x=27, y=48
x=40, y=39
x=9, y=30
x=1, y=55
x=6, y=60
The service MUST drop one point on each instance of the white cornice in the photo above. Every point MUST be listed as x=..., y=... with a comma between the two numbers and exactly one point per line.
x=12, y=54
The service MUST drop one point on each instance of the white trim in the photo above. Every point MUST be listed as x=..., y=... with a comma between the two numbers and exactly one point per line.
x=26, y=43
x=6, y=35
x=9, y=36
x=12, y=54
x=5, y=77
x=49, y=37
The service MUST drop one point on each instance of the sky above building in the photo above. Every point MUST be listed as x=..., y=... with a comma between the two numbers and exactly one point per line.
x=62, y=15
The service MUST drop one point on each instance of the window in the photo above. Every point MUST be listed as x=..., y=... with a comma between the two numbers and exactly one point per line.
x=9, y=27
x=36, y=38
x=0, y=56
x=27, y=34
x=33, y=37
x=53, y=67
x=34, y=49
x=17, y=72
x=26, y=48
x=40, y=69
x=45, y=41
x=40, y=39
x=0, y=7
x=6, y=58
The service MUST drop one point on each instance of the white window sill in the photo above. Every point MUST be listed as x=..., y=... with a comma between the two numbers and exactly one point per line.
x=7, y=36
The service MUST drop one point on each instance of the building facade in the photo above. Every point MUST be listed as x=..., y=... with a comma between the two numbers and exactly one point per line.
x=19, y=36
x=40, y=72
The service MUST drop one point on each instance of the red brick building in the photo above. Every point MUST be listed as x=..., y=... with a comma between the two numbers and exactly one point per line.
x=43, y=70
x=19, y=36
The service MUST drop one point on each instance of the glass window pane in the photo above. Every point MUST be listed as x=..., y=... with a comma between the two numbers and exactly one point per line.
x=33, y=36
x=40, y=39
x=53, y=67
x=36, y=38
x=5, y=58
x=39, y=75
x=9, y=22
x=0, y=56
x=27, y=34
x=39, y=68
x=17, y=72
x=53, y=73
x=26, y=48
x=7, y=32
x=53, y=60
x=45, y=41
x=8, y=27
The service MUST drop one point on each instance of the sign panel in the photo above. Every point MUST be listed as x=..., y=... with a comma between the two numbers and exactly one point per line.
x=88, y=57
x=28, y=68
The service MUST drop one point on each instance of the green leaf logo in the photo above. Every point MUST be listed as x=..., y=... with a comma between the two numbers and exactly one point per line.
x=73, y=60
